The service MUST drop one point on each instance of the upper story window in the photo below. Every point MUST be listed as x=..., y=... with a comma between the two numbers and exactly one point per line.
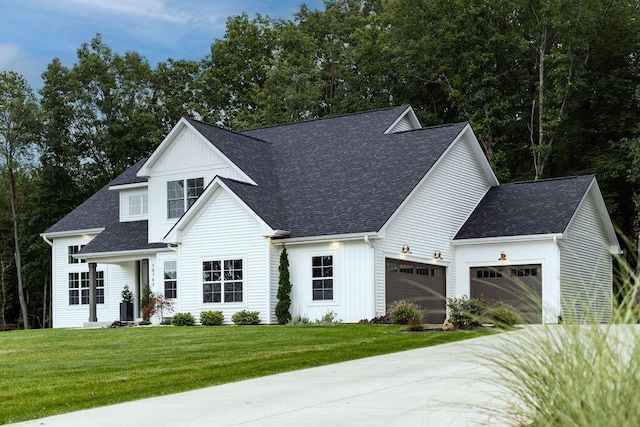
x=138, y=205
x=179, y=200
x=74, y=249
x=322, y=277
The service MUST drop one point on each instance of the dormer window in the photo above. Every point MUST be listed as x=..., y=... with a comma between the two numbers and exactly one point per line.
x=179, y=200
x=138, y=205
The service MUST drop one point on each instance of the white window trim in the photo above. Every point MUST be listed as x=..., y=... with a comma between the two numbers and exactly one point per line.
x=80, y=272
x=221, y=304
x=142, y=205
x=185, y=195
x=325, y=303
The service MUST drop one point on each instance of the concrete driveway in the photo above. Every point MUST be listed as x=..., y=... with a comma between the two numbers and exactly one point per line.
x=445, y=385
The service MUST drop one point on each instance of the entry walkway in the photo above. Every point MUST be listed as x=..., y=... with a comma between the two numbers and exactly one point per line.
x=445, y=385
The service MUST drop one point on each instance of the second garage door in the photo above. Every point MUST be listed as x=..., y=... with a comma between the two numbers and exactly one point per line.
x=422, y=284
x=519, y=286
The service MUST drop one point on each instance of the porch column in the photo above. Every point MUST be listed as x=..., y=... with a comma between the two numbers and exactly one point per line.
x=93, y=316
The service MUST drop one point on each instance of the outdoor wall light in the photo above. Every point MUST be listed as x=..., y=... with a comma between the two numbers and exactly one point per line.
x=437, y=255
x=406, y=249
x=503, y=256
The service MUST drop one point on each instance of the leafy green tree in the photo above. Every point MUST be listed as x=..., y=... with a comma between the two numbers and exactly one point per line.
x=19, y=134
x=284, y=289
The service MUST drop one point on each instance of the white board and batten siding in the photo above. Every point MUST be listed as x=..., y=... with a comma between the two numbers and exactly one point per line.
x=544, y=252
x=353, y=280
x=429, y=220
x=224, y=230
x=66, y=315
x=189, y=156
x=586, y=267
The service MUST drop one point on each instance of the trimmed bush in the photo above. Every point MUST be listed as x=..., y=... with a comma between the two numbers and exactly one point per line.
x=284, y=290
x=245, y=317
x=401, y=312
x=467, y=313
x=504, y=316
x=211, y=318
x=183, y=319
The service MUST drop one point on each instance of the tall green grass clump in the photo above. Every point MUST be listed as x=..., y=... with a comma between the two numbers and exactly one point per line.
x=573, y=374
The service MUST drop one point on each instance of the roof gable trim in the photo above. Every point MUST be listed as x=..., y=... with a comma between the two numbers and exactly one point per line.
x=183, y=124
x=407, y=115
x=210, y=192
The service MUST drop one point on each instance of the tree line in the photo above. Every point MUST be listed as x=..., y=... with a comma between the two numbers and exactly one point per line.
x=550, y=87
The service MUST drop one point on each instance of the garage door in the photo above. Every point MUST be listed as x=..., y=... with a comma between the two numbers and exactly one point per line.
x=422, y=284
x=517, y=285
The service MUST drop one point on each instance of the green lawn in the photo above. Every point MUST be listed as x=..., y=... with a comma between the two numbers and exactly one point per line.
x=46, y=372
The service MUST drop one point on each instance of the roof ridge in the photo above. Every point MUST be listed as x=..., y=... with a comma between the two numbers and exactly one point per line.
x=558, y=178
x=227, y=130
x=328, y=117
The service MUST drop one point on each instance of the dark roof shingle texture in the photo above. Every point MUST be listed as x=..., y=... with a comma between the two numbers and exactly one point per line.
x=526, y=208
x=122, y=236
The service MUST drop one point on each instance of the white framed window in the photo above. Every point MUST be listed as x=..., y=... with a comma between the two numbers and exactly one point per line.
x=222, y=281
x=170, y=279
x=322, y=277
x=179, y=200
x=74, y=249
x=79, y=288
x=138, y=205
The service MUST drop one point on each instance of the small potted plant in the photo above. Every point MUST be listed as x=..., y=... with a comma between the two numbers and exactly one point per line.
x=126, y=306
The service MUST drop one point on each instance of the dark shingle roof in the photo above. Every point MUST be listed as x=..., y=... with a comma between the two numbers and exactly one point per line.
x=344, y=175
x=129, y=176
x=526, y=208
x=99, y=210
x=122, y=236
x=339, y=175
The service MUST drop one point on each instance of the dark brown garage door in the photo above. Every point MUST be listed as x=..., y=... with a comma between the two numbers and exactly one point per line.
x=517, y=285
x=422, y=284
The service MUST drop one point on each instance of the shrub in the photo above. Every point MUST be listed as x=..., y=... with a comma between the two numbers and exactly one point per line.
x=245, y=317
x=299, y=320
x=381, y=320
x=126, y=294
x=183, y=319
x=211, y=318
x=467, y=313
x=401, y=312
x=504, y=316
x=284, y=289
x=415, y=325
x=329, y=318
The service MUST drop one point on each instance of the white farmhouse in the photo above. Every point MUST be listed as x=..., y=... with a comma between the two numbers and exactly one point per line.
x=371, y=207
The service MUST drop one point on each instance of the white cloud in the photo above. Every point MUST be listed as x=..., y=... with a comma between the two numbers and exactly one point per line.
x=141, y=9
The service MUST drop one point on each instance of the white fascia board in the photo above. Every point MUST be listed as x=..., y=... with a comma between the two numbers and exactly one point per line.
x=475, y=146
x=71, y=233
x=117, y=257
x=324, y=239
x=175, y=234
x=412, y=118
x=128, y=186
x=507, y=239
x=482, y=159
x=603, y=213
x=147, y=168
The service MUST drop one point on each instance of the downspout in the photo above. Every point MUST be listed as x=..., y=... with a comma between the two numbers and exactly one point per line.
x=373, y=246
x=44, y=237
x=369, y=242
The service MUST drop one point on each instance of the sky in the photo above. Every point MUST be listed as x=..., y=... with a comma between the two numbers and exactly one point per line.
x=34, y=32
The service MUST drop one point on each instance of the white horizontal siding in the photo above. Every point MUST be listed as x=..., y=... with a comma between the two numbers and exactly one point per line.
x=586, y=267
x=353, y=281
x=403, y=125
x=432, y=216
x=224, y=230
x=74, y=316
x=124, y=204
x=544, y=252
